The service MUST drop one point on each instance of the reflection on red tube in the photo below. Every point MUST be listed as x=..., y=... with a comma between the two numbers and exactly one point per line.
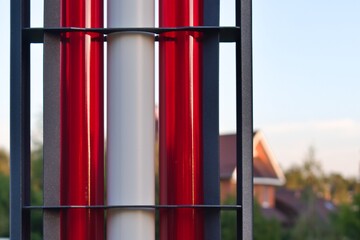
x=181, y=175
x=82, y=134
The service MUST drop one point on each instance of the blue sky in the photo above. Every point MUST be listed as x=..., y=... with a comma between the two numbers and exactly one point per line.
x=306, y=78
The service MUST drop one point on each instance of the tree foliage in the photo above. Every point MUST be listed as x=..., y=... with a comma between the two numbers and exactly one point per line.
x=310, y=226
x=347, y=220
x=308, y=177
x=340, y=189
x=4, y=205
x=4, y=193
x=4, y=162
x=36, y=194
x=228, y=221
x=313, y=183
x=264, y=229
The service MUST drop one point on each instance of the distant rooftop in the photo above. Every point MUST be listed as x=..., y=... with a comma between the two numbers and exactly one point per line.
x=264, y=164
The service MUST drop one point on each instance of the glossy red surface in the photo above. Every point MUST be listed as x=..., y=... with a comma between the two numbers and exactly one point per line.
x=82, y=134
x=181, y=170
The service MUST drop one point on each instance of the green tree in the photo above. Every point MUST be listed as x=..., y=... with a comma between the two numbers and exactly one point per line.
x=36, y=192
x=4, y=205
x=4, y=193
x=313, y=175
x=347, y=220
x=353, y=186
x=4, y=162
x=294, y=178
x=228, y=221
x=339, y=188
x=308, y=177
x=264, y=229
x=309, y=226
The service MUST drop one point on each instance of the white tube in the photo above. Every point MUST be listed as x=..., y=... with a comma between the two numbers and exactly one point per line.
x=130, y=135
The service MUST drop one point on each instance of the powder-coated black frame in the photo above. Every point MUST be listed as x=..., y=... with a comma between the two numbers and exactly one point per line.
x=19, y=121
x=244, y=120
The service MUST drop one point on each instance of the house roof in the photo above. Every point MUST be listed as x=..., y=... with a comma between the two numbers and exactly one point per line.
x=266, y=169
x=263, y=168
x=292, y=204
x=274, y=213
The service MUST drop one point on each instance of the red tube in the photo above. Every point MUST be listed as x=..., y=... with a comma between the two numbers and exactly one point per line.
x=181, y=174
x=82, y=134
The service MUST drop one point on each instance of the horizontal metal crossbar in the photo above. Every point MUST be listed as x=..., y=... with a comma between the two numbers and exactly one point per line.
x=134, y=207
x=226, y=34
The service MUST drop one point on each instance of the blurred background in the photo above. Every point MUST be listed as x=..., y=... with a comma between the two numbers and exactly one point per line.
x=306, y=58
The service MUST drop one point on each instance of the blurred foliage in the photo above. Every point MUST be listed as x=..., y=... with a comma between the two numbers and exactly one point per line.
x=310, y=178
x=347, y=220
x=313, y=183
x=36, y=193
x=309, y=225
x=340, y=189
x=228, y=221
x=4, y=162
x=264, y=229
x=4, y=205
x=4, y=193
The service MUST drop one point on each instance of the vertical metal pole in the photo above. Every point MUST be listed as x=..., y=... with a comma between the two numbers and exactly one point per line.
x=181, y=138
x=51, y=82
x=244, y=120
x=131, y=126
x=210, y=121
x=19, y=121
x=82, y=120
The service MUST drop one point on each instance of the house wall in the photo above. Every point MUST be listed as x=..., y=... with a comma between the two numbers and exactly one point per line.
x=227, y=189
x=265, y=195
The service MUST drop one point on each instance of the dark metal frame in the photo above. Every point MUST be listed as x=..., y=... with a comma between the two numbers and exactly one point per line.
x=210, y=124
x=19, y=121
x=21, y=37
x=244, y=119
x=51, y=131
